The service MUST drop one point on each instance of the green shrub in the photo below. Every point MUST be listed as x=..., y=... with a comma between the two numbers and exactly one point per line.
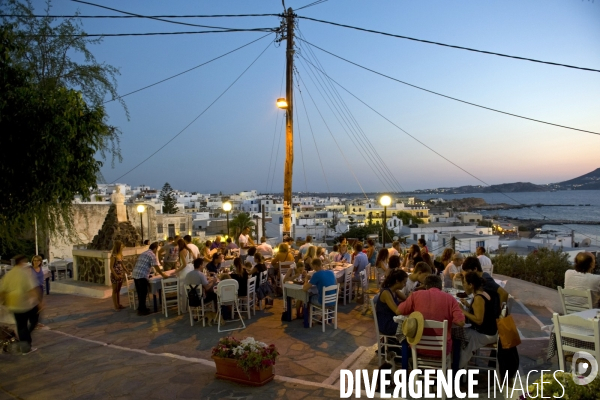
x=544, y=267
x=566, y=389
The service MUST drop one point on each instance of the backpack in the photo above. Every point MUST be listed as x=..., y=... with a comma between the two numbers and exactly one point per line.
x=193, y=297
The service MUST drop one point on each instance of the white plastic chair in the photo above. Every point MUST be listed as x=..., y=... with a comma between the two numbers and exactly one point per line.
x=346, y=287
x=248, y=303
x=227, y=295
x=433, y=342
x=170, y=295
x=382, y=340
x=198, y=312
x=328, y=307
x=575, y=328
x=584, y=296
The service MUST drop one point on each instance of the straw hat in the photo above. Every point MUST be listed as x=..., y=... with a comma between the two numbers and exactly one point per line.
x=412, y=328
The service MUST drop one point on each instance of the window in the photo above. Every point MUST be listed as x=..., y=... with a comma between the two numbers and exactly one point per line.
x=415, y=236
x=444, y=242
x=159, y=228
x=480, y=243
x=182, y=227
x=172, y=230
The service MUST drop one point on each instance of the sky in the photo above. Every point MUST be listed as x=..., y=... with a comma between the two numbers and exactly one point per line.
x=239, y=142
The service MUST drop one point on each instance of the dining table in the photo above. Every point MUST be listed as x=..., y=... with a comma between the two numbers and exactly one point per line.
x=155, y=283
x=294, y=290
x=61, y=265
x=586, y=314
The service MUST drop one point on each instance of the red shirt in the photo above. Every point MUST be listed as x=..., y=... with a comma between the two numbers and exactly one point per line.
x=434, y=305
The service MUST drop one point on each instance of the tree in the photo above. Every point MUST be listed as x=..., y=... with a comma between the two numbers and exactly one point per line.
x=239, y=222
x=54, y=136
x=407, y=217
x=168, y=198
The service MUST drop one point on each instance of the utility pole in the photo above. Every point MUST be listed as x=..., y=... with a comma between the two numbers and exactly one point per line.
x=289, y=126
x=453, y=241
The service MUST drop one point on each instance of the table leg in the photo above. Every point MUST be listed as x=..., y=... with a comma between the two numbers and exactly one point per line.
x=287, y=314
x=47, y=285
x=155, y=302
x=456, y=348
x=405, y=351
x=306, y=316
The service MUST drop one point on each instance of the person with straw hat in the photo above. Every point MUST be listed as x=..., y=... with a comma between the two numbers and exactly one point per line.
x=431, y=304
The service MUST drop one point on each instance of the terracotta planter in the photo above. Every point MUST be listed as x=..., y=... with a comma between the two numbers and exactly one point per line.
x=227, y=369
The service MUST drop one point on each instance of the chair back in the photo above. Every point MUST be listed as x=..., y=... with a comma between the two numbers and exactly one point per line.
x=170, y=285
x=330, y=295
x=251, y=286
x=374, y=301
x=284, y=266
x=434, y=342
x=227, y=291
x=348, y=275
x=488, y=268
x=579, y=330
x=574, y=300
x=263, y=277
x=363, y=279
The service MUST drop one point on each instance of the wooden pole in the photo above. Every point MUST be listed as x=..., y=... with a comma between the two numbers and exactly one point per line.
x=289, y=127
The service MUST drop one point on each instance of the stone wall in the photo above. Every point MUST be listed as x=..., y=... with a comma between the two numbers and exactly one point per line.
x=90, y=269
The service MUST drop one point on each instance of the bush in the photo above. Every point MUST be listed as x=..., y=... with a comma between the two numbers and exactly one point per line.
x=566, y=389
x=544, y=267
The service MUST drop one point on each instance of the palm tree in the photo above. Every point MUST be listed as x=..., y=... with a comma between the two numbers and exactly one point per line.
x=239, y=222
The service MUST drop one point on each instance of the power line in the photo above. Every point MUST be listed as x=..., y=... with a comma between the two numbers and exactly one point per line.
x=451, y=46
x=446, y=96
x=139, y=16
x=301, y=149
x=188, y=70
x=314, y=3
x=199, y=115
x=275, y=133
x=167, y=33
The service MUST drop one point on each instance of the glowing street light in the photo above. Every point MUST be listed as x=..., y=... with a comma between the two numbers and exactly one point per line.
x=282, y=103
x=227, y=208
x=140, y=210
x=385, y=201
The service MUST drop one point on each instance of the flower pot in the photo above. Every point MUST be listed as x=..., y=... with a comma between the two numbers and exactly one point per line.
x=227, y=368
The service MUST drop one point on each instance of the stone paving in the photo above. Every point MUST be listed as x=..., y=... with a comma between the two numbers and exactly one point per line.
x=90, y=351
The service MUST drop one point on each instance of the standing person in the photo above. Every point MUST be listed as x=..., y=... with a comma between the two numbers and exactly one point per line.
x=483, y=259
x=141, y=271
x=117, y=273
x=19, y=291
x=195, y=251
x=186, y=259
x=360, y=261
x=245, y=241
x=38, y=272
x=371, y=251
x=423, y=245
x=163, y=248
x=171, y=258
x=304, y=248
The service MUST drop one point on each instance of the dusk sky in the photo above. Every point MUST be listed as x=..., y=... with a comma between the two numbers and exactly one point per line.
x=229, y=148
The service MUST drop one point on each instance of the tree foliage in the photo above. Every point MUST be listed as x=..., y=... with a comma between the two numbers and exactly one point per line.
x=361, y=232
x=407, y=217
x=53, y=136
x=168, y=198
x=239, y=222
x=543, y=266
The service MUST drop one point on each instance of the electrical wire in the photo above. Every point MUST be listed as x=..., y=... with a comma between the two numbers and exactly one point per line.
x=314, y=3
x=452, y=46
x=139, y=16
x=188, y=70
x=301, y=149
x=429, y=148
x=271, y=30
x=274, y=133
x=446, y=96
x=199, y=115
x=276, y=156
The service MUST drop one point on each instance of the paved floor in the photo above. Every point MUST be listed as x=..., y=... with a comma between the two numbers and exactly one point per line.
x=90, y=351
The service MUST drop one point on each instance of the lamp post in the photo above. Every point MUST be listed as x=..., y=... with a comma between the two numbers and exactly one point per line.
x=227, y=208
x=140, y=210
x=385, y=201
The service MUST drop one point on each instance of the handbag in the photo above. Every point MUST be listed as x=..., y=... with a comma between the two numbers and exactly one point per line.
x=508, y=333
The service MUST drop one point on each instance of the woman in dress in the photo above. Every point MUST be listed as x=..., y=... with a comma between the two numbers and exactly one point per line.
x=371, y=252
x=186, y=260
x=117, y=273
x=387, y=303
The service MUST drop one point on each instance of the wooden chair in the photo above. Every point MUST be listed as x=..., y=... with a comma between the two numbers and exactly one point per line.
x=131, y=292
x=248, y=303
x=284, y=266
x=199, y=312
x=328, y=307
x=489, y=269
x=383, y=340
x=264, y=276
x=227, y=295
x=583, y=302
x=170, y=295
x=575, y=328
x=346, y=287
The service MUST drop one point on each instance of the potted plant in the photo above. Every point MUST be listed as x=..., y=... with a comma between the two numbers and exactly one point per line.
x=244, y=361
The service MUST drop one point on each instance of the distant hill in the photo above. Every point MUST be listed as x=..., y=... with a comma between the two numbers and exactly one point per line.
x=589, y=181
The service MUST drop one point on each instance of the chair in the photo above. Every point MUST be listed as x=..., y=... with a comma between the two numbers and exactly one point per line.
x=328, y=307
x=457, y=283
x=576, y=330
x=380, y=276
x=382, y=340
x=198, y=312
x=248, y=303
x=227, y=295
x=284, y=266
x=346, y=287
x=372, y=271
x=582, y=295
x=131, y=292
x=364, y=284
x=433, y=342
x=491, y=358
x=488, y=268
x=170, y=295
x=262, y=281
x=61, y=267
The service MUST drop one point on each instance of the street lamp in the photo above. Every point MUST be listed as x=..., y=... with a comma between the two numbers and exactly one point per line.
x=385, y=201
x=227, y=208
x=282, y=103
x=140, y=210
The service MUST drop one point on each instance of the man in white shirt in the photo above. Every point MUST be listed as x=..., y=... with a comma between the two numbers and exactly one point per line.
x=265, y=248
x=582, y=278
x=195, y=251
x=395, y=250
x=304, y=248
x=483, y=259
x=245, y=241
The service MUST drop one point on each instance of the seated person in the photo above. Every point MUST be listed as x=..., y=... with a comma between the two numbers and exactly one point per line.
x=343, y=255
x=321, y=278
x=295, y=274
x=231, y=245
x=452, y=269
x=435, y=305
x=387, y=302
x=311, y=254
x=382, y=261
x=393, y=262
x=472, y=264
x=412, y=257
x=482, y=314
x=250, y=254
x=215, y=264
x=421, y=271
x=321, y=253
x=241, y=276
x=265, y=248
x=197, y=278
x=395, y=249
x=334, y=252
x=259, y=265
x=360, y=261
x=582, y=278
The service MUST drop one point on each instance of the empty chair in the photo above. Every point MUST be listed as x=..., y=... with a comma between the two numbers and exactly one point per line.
x=248, y=303
x=574, y=300
x=61, y=268
x=227, y=295
x=262, y=281
x=383, y=341
x=199, y=311
x=170, y=295
x=346, y=287
x=328, y=307
x=577, y=331
x=131, y=292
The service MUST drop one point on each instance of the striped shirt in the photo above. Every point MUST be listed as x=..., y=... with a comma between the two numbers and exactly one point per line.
x=144, y=264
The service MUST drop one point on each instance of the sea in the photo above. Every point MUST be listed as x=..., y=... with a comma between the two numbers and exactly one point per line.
x=573, y=205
